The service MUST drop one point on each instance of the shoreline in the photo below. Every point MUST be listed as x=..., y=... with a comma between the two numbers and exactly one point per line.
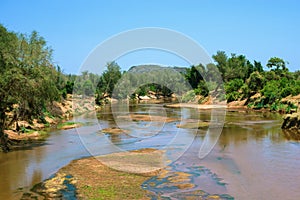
x=61, y=119
x=65, y=112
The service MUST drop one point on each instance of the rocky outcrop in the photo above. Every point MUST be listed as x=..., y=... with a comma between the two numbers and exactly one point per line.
x=291, y=121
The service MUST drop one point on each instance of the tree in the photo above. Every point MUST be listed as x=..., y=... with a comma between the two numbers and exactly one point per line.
x=222, y=62
x=108, y=80
x=27, y=79
x=271, y=92
x=255, y=82
x=297, y=75
x=232, y=89
x=278, y=63
x=194, y=75
x=88, y=88
x=258, y=66
x=237, y=66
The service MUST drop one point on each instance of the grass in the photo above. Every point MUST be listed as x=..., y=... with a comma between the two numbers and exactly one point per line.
x=97, y=181
x=70, y=123
x=30, y=131
x=100, y=193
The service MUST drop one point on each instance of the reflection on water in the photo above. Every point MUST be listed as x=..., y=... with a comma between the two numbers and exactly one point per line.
x=253, y=158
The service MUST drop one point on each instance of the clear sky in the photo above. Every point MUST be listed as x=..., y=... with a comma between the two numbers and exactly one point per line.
x=259, y=29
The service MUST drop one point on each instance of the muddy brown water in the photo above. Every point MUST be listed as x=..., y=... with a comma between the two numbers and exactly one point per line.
x=252, y=158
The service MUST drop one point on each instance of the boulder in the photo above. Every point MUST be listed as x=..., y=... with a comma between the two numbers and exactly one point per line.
x=291, y=121
x=144, y=98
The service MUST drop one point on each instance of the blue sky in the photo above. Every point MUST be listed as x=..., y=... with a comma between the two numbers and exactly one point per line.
x=259, y=29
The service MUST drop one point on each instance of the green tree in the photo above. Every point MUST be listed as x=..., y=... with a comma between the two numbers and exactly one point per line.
x=108, y=80
x=194, y=75
x=256, y=82
x=278, y=63
x=258, y=66
x=271, y=92
x=27, y=78
x=222, y=63
x=232, y=89
x=237, y=66
x=88, y=88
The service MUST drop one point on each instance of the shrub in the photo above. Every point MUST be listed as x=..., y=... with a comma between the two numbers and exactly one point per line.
x=189, y=96
x=201, y=89
x=233, y=96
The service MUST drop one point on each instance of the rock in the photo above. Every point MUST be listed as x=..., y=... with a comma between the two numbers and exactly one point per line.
x=24, y=124
x=291, y=121
x=144, y=98
x=38, y=126
x=49, y=120
x=152, y=96
x=151, y=93
x=256, y=96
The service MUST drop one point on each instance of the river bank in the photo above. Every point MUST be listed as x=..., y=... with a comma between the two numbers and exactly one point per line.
x=57, y=116
x=291, y=117
x=23, y=132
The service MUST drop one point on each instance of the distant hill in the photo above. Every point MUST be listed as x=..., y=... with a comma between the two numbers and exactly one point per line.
x=150, y=68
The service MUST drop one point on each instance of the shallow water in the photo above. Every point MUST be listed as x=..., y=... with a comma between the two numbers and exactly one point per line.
x=252, y=159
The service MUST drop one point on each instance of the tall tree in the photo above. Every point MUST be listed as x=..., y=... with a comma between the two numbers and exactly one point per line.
x=278, y=63
x=108, y=80
x=27, y=78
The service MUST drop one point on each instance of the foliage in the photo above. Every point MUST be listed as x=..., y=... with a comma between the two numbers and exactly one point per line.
x=189, y=96
x=194, y=74
x=201, y=89
x=27, y=78
x=278, y=63
x=271, y=92
x=108, y=80
x=232, y=89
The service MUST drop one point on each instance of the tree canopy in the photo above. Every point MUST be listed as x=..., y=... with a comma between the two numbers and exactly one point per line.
x=27, y=78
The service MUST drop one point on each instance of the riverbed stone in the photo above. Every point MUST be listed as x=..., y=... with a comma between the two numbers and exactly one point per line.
x=291, y=121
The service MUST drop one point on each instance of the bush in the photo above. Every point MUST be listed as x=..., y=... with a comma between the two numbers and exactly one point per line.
x=201, y=89
x=189, y=96
x=255, y=82
x=64, y=93
x=271, y=92
x=232, y=89
x=246, y=92
x=233, y=85
x=233, y=96
x=286, y=92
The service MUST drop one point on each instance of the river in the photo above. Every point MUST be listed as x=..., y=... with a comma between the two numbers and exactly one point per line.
x=253, y=158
